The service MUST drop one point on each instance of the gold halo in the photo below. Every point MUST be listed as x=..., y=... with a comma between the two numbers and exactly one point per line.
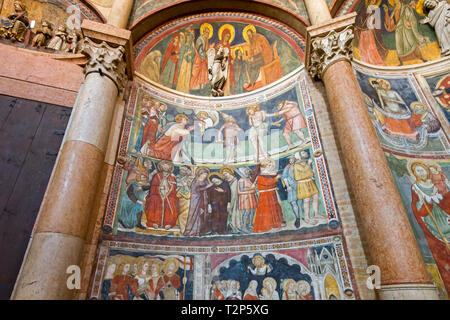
x=382, y=81
x=215, y=174
x=229, y=27
x=200, y=168
x=210, y=28
x=419, y=7
x=169, y=261
x=233, y=52
x=376, y=4
x=412, y=164
x=418, y=103
x=228, y=169
x=244, y=33
x=272, y=281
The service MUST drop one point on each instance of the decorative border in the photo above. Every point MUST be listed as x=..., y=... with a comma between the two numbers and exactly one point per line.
x=199, y=251
x=298, y=80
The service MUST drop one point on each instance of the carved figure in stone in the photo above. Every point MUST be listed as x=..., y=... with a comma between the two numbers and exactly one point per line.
x=438, y=16
x=42, y=35
x=73, y=41
x=15, y=25
x=59, y=40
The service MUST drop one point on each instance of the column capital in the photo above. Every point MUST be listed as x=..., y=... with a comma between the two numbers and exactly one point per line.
x=106, y=60
x=108, y=46
x=328, y=43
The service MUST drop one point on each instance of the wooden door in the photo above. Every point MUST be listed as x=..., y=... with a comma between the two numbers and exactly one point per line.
x=30, y=136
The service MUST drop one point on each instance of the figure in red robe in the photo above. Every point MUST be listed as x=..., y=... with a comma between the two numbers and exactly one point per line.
x=200, y=67
x=161, y=206
x=123, y=284
x=169, y=68
x=268, y=213
x=432, y=212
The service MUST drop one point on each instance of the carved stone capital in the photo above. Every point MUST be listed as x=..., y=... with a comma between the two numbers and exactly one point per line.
x=106, y=60
x=329, y=43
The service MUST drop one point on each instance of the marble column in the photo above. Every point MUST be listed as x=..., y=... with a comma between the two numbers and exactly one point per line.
x=120, y=13
x=391, y=244
x=59, y=237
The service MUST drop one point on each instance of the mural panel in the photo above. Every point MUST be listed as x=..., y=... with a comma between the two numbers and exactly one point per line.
x=403, y=121
x=394, y=33
x=440, y=88
x=315, y=269
x=218, y=54
x=221, y=172
x=417, y=150
x=424, y=188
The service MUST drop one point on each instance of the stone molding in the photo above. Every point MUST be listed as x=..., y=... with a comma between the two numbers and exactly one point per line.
x=408, y=291
x=328, y=43
x=106, y=60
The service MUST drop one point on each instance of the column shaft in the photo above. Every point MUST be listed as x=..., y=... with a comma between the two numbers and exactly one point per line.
x=120, y=13
x=391, y=244
x=318, y=11
x=64, y=219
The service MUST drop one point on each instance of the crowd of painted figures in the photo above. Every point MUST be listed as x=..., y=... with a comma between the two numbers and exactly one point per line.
x=198, y=66
x=17, y=26
x=143, y=278
x=228, y=201
x=157, y=138
x=153, y=278
x=291, y=290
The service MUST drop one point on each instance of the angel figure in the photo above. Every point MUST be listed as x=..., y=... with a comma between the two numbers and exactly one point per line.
x=204, y=120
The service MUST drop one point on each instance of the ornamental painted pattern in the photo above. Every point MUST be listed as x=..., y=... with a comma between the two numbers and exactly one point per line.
x=298, y=270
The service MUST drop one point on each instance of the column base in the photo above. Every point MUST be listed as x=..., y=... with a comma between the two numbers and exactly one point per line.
x=43, y=275
x=414, y=291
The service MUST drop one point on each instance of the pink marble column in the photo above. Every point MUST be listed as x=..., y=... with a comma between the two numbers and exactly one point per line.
x=60, y=236
x=391, y=244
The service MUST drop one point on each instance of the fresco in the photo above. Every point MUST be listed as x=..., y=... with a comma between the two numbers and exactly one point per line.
x=424, y=188
x=402, y=120
x=417, y=149
x=393, y=33
x=227, y=172
x=217, y=55
x=440, y=88
x=142, y=7
x=305, y=270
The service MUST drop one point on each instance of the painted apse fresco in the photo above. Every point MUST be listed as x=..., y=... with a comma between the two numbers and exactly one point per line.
x=394, y=33
x=299, y=270
x=223, y=198
x=205, y=55
x=412, y=127
x=142, y=8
